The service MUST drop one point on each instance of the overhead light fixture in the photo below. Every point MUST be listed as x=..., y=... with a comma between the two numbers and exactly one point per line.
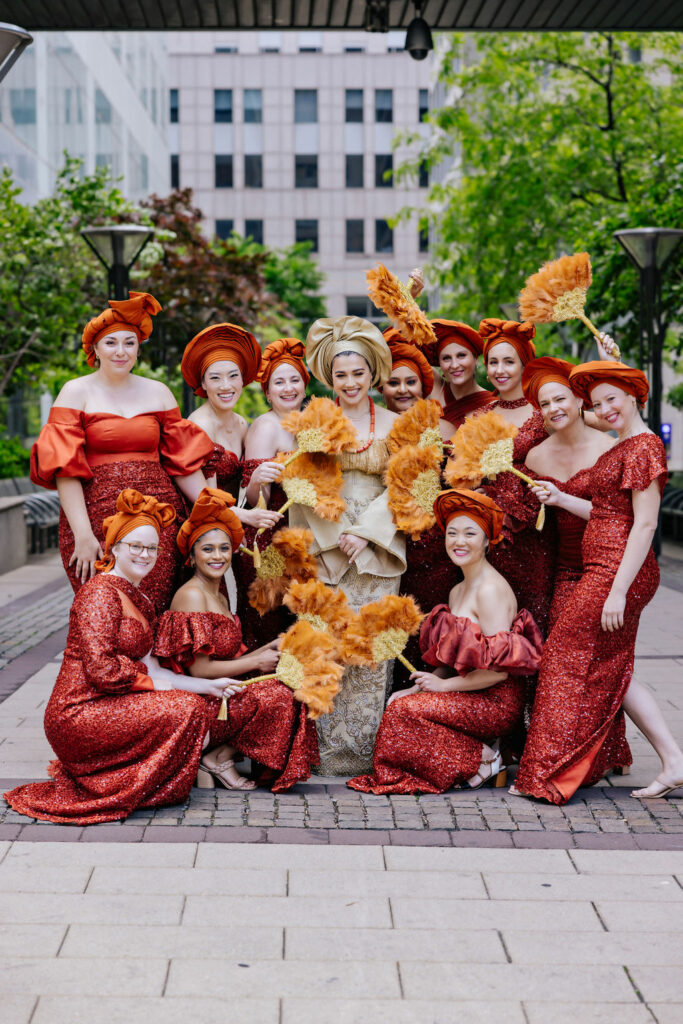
x=376, y=16
x=419, y=36
x=117, y=247
x=13, y=40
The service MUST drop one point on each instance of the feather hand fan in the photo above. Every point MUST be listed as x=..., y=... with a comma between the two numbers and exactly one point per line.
x=286, y=560
x=320, y=427
x=557, y=292
x=382, y=631
x=394, y=299
x=418, y=425
x=413, y=480
x=326, y=609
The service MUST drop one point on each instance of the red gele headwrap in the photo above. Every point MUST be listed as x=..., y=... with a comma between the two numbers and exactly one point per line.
x=452, y=332
x=517, y=334
x=215, y=343
x=132, y=314
x=586, y=376
x=211, y=511
x=132, y=510
x=542, y=371
x=479, y=507
x=284, y=350
x=404, y=354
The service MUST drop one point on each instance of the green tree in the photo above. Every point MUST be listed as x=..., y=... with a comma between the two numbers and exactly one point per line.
x=547, y=143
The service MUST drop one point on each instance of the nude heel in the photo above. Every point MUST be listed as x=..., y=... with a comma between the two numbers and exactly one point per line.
x=204, y=779
x=501, y=779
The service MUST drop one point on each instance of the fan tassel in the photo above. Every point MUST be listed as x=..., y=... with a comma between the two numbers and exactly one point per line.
x=222, y=715
x=540, y=518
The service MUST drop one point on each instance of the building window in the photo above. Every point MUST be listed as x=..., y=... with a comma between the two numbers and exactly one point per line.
x=254, y=229
x=306, y=106
x=423, y=175
x=175, y=170
x=354, y=49
x=173, y=106
x=253, y=106
x=355, y=236
x=354, y=106
x=253, y=171
x=307, y=231
x=354, y=170
x=396, y=42
x=423, y=105
x=223, y=170
x=306, y=171
x=222, y=106
x=73, y=106
x=310, y=42
x=269, y=42
x=360, y=305
x=384, y=105
x=383, y=162
x=423, y=240
x=103, y=112
x=225, y=49
x=384, y=237
x=224, y=228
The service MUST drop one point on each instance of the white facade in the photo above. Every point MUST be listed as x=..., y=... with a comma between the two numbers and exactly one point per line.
x=100, y=96
x=257, y=100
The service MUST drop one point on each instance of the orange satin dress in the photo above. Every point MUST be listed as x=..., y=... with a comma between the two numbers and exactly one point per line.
x=456, y=410
x=108, y=453
x=428, y=742
x=264, y=721
x=577, y=730
x=120, y=744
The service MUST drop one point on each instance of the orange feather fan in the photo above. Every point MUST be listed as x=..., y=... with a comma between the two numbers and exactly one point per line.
x=309, y=667
x=382, y=631
x=326, y=609
x=286, y=560
x=418, y=425
x=389, y=295
x=320, y=427
x=413, y=480
x=557, y=292
x=315, y=480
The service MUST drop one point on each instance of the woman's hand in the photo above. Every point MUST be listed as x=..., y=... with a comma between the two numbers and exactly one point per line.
x=87, y=549
x=428, y=682
x=267, y=473
x=416, y=282
x=223, y=687
x=267, y=659
x=607, y=347
x=613, y=611
x=351, y=546
x=258, y=517
x=402, y=693
x=548, y=493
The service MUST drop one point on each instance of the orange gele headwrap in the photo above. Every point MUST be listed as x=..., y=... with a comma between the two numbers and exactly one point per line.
x=132, y=314
x=132, y=510
x=211, y=511
x=221, y=341
x=479, y=507
x=517, y=334
x=284, y=350
x=404, y=354
x=544, y=370
x=586, y=376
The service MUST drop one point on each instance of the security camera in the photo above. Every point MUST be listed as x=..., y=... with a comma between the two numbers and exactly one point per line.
x=418, y=37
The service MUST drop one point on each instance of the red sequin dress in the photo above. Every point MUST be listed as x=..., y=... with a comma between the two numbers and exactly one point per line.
x=428, y=742
x=577, y=726
x=456, y=410
x=227, y=468
x=120, y=744
x=108, y=453
x=259, y=629
x=264, y=722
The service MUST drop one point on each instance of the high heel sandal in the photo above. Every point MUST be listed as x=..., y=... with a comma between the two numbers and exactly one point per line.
x=497, y=776
x=208, y=775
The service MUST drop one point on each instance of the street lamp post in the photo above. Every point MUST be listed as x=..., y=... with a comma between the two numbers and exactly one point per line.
x=117, y=246
x=13, y=41
x=649, y=249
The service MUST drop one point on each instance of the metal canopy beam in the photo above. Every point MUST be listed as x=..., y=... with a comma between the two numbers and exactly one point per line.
x=444, y=15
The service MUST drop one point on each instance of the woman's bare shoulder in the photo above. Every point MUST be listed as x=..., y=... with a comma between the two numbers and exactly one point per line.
x=189, y=598
x=73, y=394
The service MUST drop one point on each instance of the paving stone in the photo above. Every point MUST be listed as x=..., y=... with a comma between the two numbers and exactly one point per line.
x=74, y=977
x=583, y=887
x=315, y=858
x=198, y=1010
x=17, y=1007
x=173, y=942
x=551, y=946
x=69, y=908
x=392, y=1011
x=16, y=877
x=633, y=916
x=443, y=884
x=187, y=881
x=507, y=861
x=588, y=1013
x=281, y=911
x=658, y=984
x=328, y=980
x=499, y=914
x=37, y=855
x=463, y=946
x=636, y=862
x=556, y=982
x=33, y=940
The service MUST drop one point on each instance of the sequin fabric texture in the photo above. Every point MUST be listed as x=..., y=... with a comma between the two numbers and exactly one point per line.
x=264, y=722
x=456, y=410
x=117, y=749
x=577, y=726
x=428, y=742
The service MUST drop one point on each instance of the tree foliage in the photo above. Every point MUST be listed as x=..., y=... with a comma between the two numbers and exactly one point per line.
x=548, y=143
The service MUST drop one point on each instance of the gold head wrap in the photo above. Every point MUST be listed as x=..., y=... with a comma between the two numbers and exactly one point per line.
x=328, y=337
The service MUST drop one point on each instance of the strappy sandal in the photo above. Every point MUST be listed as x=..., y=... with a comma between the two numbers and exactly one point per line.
x=208, y=775
x=497, y=774
x=663, y=791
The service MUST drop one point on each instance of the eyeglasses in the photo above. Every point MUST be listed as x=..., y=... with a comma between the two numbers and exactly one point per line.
x=137, y=549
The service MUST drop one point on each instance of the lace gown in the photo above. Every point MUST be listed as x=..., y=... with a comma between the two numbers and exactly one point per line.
x=347, y=735
x=577, y=726
x=120, y=744
x=108, y=453
x=428, y=742
x=264, y=721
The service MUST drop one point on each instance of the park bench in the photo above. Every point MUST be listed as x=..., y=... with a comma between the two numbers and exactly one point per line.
x=40, y=509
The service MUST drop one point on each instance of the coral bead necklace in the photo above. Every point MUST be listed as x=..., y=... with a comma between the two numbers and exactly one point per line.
x=364, y=447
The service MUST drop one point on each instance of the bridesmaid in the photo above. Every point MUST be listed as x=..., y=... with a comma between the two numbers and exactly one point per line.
x=411, y=379
x=200, y=637
x=585, y=682
x=445, y=731
x=457, y=349
x=364, y=553
x=120, y=743
x=283, y=378
x=111, y=430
